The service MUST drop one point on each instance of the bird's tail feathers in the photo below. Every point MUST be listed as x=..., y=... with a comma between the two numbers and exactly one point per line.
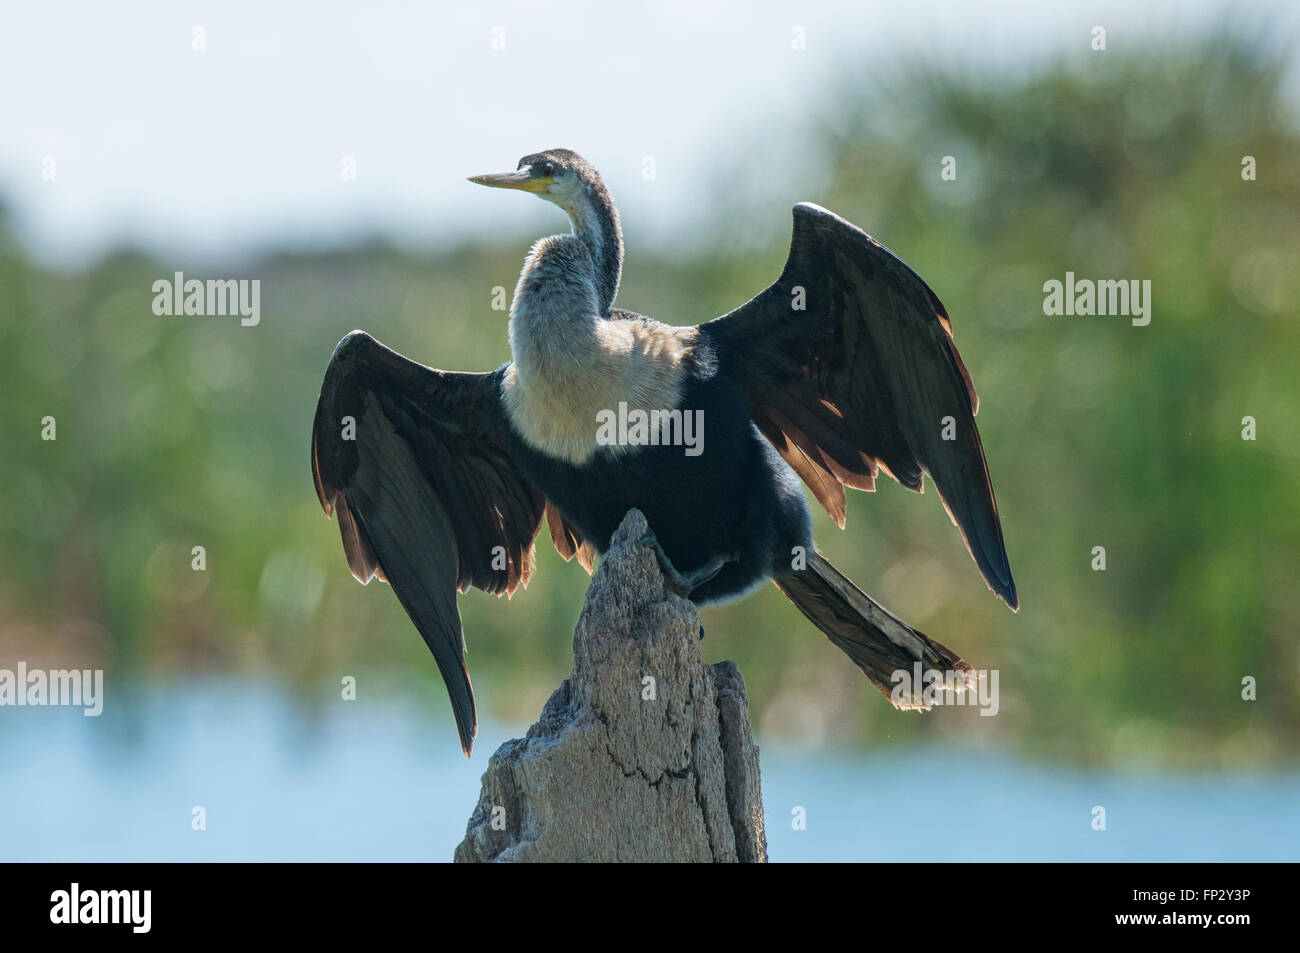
x=881, y=644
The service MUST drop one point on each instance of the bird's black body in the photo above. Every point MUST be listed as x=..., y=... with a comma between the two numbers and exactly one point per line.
x=843, y=368
x=737, y=500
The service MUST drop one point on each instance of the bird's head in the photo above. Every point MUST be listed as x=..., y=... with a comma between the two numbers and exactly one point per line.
x=566, y=179
x=558, y=175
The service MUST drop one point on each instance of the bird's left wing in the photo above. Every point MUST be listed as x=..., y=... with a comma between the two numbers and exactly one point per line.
x=849, y=365
x=412, y=461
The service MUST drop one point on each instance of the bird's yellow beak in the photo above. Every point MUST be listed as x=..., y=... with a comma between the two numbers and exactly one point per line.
x=523, y=179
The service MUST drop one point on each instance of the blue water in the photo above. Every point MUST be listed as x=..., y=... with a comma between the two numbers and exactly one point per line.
x=380, y=781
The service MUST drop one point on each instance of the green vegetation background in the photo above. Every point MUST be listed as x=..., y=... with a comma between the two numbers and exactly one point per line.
x=176, y=432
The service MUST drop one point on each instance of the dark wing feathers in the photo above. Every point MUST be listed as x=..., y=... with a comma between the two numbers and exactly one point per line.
x=862, y=378
x=568, y=541
x=425, y=492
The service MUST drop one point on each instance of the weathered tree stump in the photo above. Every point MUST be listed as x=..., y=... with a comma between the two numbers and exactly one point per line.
x=644, y=753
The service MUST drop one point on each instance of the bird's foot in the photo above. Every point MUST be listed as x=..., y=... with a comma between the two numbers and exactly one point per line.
x=674, y=581
x=679, y=583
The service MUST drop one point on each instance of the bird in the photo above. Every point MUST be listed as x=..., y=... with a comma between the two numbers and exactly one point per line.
x=844, y=367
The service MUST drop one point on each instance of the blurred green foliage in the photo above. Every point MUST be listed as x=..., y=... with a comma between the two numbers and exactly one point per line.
x=175, y=432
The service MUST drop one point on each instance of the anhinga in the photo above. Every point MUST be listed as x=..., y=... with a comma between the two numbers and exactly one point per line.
x=844, y=367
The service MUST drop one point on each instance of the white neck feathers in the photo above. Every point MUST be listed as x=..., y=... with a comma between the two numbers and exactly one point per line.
x=570, y=363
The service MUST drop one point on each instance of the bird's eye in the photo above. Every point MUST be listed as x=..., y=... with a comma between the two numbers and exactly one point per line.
x=548, y=168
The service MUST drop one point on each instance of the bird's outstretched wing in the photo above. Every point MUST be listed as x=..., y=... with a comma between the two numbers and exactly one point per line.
x=850, y=366
x=568, y=541
x=412, y=461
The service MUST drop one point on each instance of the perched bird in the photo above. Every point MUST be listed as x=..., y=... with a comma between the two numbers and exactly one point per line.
x=844, y=367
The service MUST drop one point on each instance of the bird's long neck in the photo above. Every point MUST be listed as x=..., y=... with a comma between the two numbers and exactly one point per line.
x=555, y=309
x=571, y=363
x=595, y=223
x=568, y=282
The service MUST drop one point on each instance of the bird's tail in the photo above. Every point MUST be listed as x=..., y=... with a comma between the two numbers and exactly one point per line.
x=881, y=644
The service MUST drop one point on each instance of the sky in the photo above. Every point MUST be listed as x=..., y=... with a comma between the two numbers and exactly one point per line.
x=223, y=129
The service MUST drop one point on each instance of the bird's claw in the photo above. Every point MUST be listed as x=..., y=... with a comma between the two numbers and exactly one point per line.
x=677, y=582
x=674, y=581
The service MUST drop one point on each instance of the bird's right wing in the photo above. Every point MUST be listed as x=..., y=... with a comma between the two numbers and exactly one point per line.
x=850, y=367
x=412, y=461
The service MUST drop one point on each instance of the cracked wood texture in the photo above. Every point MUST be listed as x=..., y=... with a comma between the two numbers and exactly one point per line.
x=618, y=768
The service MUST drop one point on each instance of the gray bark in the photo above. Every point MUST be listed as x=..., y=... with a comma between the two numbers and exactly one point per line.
x=644, y=753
